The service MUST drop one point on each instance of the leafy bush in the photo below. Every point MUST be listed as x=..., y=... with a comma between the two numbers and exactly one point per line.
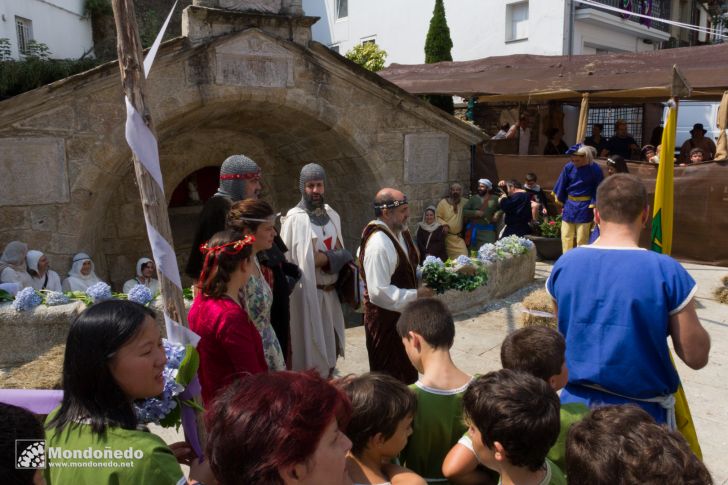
x=551, y=226
x=368, y=55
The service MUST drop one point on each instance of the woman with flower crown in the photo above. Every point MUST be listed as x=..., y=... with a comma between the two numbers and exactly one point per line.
x=230, y=344
x=114, y=357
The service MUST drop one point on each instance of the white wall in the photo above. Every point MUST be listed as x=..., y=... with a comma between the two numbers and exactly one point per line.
x=477, y=27
x=57, y=23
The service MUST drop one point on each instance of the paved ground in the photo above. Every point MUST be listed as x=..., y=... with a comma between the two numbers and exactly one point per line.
x=477, y=349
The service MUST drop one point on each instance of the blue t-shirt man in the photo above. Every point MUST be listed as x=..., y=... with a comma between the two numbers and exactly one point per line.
x=614, y=307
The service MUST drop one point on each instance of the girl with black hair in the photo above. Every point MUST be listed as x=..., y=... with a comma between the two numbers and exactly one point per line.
x=230, y=345
x=114, y=356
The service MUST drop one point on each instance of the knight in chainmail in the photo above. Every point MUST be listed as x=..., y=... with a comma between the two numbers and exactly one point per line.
x=240, y=178
x=312, y=233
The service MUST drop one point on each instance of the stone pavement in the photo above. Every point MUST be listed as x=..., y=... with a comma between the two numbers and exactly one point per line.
x=477, y=350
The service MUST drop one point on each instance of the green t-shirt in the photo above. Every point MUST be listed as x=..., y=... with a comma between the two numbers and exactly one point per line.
x=437, y=426
x=554, y=475
x=570, y=413
x=77, y=456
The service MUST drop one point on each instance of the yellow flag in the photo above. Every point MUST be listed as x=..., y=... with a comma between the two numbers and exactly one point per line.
x=663, y=206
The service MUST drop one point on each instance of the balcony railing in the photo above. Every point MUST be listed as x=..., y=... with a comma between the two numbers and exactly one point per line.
x=660, y=9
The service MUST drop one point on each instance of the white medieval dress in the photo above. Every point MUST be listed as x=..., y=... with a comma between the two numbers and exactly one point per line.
x=317, y=321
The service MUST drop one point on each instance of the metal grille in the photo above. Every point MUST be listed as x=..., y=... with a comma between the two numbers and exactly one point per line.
x=24, y=30
x=660, y=9
x=608, y=116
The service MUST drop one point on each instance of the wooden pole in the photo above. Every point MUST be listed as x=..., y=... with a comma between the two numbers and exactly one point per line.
x=154, y=204
x=583, y=116
x=721, y=152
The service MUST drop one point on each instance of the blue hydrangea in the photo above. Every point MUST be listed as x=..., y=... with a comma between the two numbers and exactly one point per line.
x=54, y=298
x=26, y=299
x=488, y=253
x=140, y=294
x=155, y=409
x=512, y=245
x=432, y=260
x=99, y=292
x=463, y=260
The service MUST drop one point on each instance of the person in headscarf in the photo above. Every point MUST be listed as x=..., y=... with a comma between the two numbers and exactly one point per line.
x=82, y=274
x=312, y=231
x=240, y=178
x=145, y=270
x=43, y=278
x=479, y=212
x=449, y=213
x=12, y=265
x=430, y=236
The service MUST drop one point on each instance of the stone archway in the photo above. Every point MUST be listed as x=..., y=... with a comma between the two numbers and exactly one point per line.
x=238, y=83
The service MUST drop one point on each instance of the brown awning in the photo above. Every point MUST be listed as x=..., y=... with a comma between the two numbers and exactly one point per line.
x=525, y=77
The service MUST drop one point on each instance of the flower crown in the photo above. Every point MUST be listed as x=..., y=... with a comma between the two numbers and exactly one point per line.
x=236, y=246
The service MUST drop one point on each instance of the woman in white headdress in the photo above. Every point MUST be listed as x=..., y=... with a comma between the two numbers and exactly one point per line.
x=81, y=275
x=144, y=276
x=42, y=276
x=12, y=265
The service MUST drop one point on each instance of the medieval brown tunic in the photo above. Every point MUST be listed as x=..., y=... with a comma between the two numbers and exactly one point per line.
x=384, y=345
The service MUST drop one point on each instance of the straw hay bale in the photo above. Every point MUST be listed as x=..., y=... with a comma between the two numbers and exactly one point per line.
x=538, y=301
x=42, y=373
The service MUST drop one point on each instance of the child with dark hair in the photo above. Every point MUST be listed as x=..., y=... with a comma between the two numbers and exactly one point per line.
x=427, y=331
x=514, y=421
x=114, y=356
x=541, y=352
x=381, y=421
x=624, y=445
x=18, y=424
x=229, y=344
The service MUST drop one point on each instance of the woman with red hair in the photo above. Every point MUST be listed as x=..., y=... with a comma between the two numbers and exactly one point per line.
x=279, y=429
x=230, y=344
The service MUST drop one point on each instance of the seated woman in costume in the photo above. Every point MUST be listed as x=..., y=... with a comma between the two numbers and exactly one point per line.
x=114, y=356
x=145, y=270
x=42, y=276
x=12, y=265
x=82, y=274
x=230, y=345
x=256, y=218
x=279, y=429
x=430, y=236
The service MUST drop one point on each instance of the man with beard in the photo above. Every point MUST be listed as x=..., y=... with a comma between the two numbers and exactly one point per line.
x=312, y=231
x=449, y=213
x=479, y=211
x=240, y=178
x=389, y=260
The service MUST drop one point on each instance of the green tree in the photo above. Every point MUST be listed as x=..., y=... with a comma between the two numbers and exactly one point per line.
x=368, y=55
x=437, y=49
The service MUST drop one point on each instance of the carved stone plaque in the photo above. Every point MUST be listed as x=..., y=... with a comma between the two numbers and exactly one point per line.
x=34, y=171
x=254, y=60
x=425, y=157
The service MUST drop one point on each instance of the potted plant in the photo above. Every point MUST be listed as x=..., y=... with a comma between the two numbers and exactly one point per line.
x=548, y=243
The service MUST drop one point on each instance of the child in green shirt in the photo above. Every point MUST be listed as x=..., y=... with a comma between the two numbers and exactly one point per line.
x=513, y=420
x=427, y=330
x=539, y=351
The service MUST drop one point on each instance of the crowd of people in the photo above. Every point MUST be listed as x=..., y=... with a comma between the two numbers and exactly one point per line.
x=267, y=308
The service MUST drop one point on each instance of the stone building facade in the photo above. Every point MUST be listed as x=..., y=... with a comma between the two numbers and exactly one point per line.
x=236, y=82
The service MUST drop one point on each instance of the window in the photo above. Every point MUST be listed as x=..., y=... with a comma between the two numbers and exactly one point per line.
x=517, y=21
x=608, y=116
x=342, y=9
x=370, y=40
x=24, y=28
x=335, y=48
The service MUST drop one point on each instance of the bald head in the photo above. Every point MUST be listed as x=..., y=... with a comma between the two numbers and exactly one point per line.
x=390, y=206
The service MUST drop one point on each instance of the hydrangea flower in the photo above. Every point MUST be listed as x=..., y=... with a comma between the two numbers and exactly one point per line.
x=155, y=409
x=54, y=298
x=140, y=294
x=432, y=260
x=26, y=299
x=463, y=260
x=99, y=292
x=488, y=253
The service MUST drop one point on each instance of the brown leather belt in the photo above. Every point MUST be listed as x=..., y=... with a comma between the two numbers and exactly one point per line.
x=330, y=287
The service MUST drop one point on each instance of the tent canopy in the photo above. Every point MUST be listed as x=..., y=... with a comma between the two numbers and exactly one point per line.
x=525, y=77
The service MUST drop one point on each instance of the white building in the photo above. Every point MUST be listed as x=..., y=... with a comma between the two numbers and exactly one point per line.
x=59, y=24
x=483, y=28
